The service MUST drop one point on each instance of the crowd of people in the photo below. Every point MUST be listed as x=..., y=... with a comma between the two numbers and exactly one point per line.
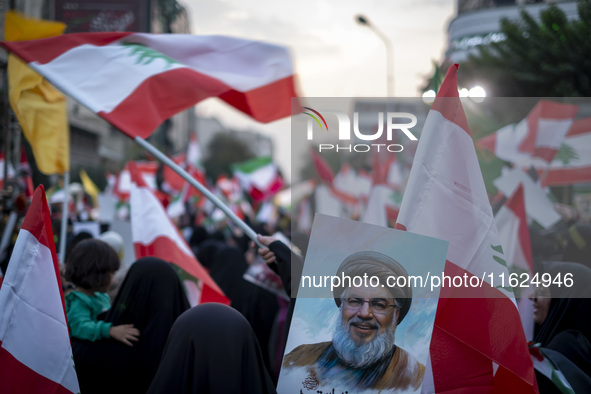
x=133, y=331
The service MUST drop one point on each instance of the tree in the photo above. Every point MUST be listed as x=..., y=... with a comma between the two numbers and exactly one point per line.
x=551, y=58
x=223, y=151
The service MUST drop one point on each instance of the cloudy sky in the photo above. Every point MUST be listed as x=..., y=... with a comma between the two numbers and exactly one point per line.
x=333, y=55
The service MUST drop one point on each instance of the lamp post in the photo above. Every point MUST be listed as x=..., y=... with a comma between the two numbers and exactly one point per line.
x=362, y=20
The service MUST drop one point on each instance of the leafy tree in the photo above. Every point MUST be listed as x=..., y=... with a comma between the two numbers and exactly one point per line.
x=550, y=58
x=223, y=151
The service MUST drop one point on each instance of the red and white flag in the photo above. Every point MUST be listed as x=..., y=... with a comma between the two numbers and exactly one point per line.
x=154, y=234
x=477, y=343
x=190, y=161
x=342, y=198
x=35, y=350
x=137, y=80
x=539, y=135
x=572, y=163
x=511, y=222
x=148, y=169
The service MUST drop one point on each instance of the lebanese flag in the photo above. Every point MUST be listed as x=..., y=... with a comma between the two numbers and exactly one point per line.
x=190, y=161
x=35, y=351
x=137, y=80
x=352, y=189
x=327, y=176
x=539, y=135
x=572, y=163
x=124, y=181
x=259, y=177
x=478, y=344
x=383, y=205
x=154, y=234
x=511, y=222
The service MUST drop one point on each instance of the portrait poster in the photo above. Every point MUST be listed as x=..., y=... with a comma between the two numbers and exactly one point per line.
x=318, y=367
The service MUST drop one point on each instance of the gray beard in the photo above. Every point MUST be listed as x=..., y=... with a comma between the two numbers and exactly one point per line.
x=359, y=356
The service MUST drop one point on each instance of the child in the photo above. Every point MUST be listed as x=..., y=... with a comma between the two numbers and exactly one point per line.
x=91, y=267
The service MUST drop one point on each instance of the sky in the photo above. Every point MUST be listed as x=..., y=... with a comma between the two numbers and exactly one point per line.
x=333, y=55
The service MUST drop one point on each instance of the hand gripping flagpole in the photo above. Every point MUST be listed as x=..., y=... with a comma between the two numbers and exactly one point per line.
x=193, y=182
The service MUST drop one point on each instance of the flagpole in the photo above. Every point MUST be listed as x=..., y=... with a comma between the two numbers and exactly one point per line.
x=64, y=226
x=212, y=197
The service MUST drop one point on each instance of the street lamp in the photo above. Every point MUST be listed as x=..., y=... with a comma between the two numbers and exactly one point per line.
x=362, y=20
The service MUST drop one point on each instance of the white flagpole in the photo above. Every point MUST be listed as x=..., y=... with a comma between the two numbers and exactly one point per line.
x=64, y=226
x=212, y=197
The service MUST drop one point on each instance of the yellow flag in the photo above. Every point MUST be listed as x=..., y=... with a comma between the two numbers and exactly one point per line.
x=40, y=109
x=89, y=187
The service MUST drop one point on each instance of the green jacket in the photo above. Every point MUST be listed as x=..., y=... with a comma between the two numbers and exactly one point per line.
x=82, y=312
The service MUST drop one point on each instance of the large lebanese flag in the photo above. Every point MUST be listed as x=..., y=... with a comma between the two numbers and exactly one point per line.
x=154, y=234
x=35, y=351
x=137, y=80
x=539, y=135
x=477, y=343
x=511, y=222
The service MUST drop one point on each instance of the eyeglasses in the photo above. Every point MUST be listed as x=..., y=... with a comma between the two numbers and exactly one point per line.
x=377, y=305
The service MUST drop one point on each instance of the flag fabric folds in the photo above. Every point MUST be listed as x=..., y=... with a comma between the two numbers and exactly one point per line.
x=137, y=80
x=572, y=162
x=35, y=351
x=154, y=234
x=511, y=222
x=40, y=109
x=539, y=135
x=478, y=344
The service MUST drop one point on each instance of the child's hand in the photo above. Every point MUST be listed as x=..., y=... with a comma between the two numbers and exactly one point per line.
x=124, y=333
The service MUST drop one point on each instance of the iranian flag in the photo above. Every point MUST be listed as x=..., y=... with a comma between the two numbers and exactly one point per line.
x=137, y=80
x=478, y=344
x=154, y=234
x=511, y=222
x=35, y=351
x=259, y=177
x=539, y=135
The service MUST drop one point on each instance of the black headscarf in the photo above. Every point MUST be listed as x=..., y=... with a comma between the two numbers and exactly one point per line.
x=567, y=327
x=206, y=250
x=570, y=305
x=212, y=349
x=151, y=297
x=227, y=270
x=258, y=306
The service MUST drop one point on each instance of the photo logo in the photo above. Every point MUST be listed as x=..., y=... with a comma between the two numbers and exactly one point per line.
x=315, y=118
x=394, y=122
